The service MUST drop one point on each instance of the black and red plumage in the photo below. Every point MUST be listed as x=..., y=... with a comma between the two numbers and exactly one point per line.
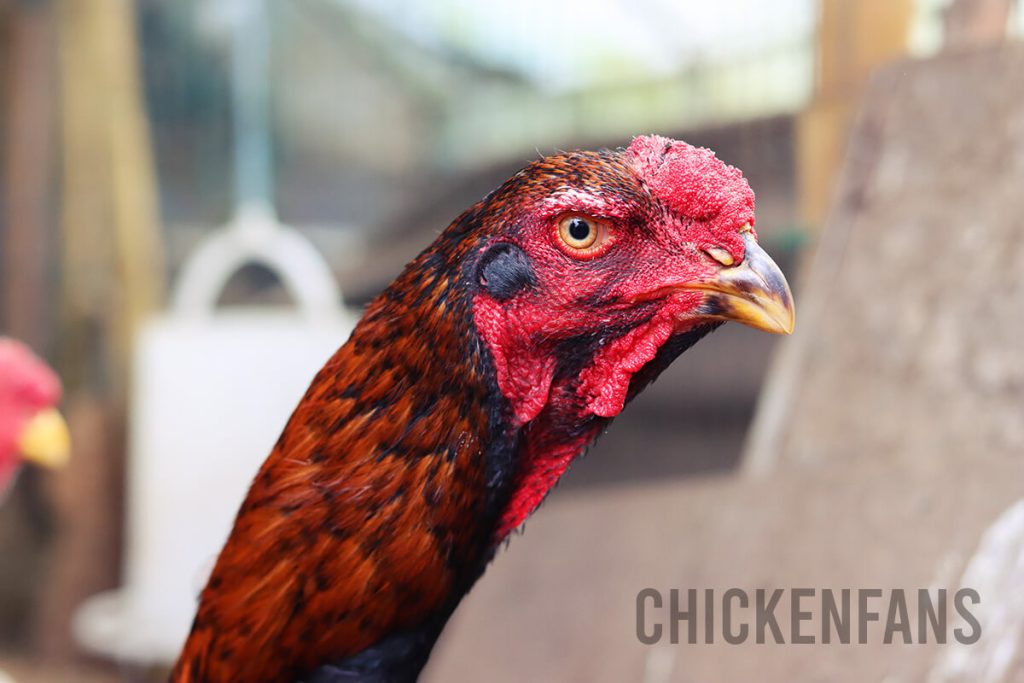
x=467, y=389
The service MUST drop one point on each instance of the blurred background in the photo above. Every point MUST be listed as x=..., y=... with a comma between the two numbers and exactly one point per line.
x=178, y=177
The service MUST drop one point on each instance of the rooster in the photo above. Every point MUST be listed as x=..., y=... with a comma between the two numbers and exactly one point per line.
x=31, y=429
x=467, y=389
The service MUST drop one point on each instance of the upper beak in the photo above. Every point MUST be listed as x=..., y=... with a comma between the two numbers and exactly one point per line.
x=754, y=292
x=45, y=440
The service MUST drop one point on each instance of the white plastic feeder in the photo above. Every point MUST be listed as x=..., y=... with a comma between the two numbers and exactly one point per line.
x=212, y=391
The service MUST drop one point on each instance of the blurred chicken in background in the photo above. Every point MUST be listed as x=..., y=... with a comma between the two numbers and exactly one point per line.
x=31, y=429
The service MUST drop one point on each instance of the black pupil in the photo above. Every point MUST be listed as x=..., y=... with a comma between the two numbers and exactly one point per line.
x=579, y=229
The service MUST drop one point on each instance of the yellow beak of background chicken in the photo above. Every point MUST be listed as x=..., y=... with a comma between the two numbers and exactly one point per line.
x=45, y=440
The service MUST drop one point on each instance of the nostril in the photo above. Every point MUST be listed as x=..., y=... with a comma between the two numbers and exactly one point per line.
x=721, y=255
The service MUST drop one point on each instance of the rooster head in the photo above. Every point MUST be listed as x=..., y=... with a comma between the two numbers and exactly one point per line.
x=601, y=261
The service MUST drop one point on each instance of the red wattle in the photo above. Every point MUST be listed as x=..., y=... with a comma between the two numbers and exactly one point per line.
x=606, y=381
x=524, y=378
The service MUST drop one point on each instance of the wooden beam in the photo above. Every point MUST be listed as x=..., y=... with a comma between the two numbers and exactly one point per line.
x=854, y=38
x=113, y=261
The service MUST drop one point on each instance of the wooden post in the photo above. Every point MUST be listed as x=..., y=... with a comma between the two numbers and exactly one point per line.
x=854, y=37
x=28, y=175
x=113, y=264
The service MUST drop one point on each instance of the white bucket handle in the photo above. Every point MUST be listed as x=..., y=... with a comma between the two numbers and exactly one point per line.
x=254, y=236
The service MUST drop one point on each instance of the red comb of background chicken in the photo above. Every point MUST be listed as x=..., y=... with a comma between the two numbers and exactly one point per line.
x=30, y=428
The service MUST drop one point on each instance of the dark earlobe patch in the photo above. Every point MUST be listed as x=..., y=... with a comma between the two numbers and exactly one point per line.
x=504, y=270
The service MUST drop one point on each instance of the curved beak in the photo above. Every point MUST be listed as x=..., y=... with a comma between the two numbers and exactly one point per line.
x=45, y=440
x=754, y=292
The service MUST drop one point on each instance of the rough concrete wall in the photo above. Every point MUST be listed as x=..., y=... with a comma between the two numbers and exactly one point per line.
x=912, y=343
x=908, y=363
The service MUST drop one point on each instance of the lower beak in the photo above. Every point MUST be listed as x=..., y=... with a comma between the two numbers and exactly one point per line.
x=754, y=293
x=45, y=440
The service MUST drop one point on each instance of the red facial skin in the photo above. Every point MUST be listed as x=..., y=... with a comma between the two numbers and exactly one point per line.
x=454, y=408
x=27, y=386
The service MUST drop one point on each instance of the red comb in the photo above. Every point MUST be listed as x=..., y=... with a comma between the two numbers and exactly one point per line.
x=24, y=377
x=692, y=181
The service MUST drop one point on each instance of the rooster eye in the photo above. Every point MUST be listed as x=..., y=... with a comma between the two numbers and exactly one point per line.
x=582, y=236
x=580, y=231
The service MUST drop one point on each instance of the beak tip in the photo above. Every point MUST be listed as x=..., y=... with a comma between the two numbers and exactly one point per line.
x=788, y=323
x=774, y=322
